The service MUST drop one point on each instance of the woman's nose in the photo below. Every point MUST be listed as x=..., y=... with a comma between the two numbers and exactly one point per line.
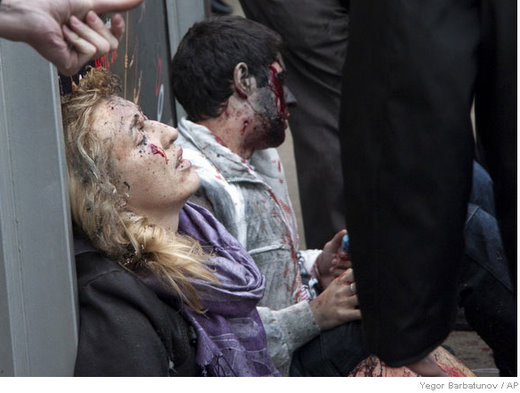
x=169, y=136
x=166, y=135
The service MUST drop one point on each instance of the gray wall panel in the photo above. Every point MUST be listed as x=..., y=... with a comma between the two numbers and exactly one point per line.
x=37, y=278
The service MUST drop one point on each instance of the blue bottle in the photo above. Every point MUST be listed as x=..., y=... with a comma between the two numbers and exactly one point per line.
x=345, y=243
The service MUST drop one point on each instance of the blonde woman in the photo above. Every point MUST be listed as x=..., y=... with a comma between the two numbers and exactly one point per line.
x=153, y=301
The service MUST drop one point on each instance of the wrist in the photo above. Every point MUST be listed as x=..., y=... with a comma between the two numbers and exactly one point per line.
x=315, y=310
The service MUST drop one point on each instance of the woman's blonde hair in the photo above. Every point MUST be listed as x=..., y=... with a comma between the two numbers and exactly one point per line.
x=99, y=211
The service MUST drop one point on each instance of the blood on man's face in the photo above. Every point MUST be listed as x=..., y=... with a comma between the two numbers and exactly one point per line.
x=271, y=112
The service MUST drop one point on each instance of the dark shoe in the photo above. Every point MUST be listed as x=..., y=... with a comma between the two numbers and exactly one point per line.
x=220, y=8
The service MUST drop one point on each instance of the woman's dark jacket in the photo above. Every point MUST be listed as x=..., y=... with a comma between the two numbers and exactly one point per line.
x=131, y=332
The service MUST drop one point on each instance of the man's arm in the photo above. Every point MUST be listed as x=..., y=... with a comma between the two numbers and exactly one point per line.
x=287, y=330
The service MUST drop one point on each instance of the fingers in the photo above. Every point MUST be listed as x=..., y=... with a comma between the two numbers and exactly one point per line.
x=352, y=288
x=103, y=6
x=80, y=7
x=117, y=26
x=81, y=45
x=343, y=251
x=339, y=236
x=336, y=272
x=94, y=32
x=335, y=242
x=340, y=263
x=337, y=303
x=96, y=24
x=89, y=39
x=347, y=279
x=349, y=315
x=347, y=276
x=79, y=52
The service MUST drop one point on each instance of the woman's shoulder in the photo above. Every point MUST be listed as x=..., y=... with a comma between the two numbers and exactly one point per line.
x=119, y=313
x=94, y=266
x=101, y=279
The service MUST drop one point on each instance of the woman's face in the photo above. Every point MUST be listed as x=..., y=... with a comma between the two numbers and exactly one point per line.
x=147, y=166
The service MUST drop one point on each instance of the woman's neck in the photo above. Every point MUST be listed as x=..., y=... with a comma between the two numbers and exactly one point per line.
x=166, y=219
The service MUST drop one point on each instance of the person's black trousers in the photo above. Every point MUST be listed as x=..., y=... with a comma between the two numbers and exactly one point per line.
x=412, y=72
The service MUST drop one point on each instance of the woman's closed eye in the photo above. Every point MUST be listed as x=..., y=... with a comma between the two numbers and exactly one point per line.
x=140, y=128
x=143, y=140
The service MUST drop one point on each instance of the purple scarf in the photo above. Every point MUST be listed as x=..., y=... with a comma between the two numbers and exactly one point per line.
x=231, y=337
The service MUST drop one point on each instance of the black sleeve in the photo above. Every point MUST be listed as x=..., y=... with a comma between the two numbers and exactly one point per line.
x=118, y=333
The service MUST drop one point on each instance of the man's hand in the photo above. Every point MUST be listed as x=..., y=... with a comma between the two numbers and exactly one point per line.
x=87, y=40
x=47, y=27
x=336, y=304
x=332, y=262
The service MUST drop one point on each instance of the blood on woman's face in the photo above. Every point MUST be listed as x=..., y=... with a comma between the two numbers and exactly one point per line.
x=147, y=166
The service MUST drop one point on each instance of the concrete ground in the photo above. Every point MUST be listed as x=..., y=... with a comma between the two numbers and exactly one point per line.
x=466, y=345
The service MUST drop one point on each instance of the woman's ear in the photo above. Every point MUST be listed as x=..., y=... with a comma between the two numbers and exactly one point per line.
x=241, y=80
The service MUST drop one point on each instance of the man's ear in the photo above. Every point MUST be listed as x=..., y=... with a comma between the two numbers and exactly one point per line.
x=241, y=80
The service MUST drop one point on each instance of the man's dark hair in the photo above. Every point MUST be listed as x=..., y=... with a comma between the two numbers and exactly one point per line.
x=202, y=68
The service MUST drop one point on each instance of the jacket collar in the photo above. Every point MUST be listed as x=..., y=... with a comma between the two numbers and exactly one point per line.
x=232, y=167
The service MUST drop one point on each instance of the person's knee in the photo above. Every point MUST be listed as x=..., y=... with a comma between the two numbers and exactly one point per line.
x=335, y=352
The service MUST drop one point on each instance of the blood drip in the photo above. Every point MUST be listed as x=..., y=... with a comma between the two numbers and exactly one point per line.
x=157, y=150
x=277, y=89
